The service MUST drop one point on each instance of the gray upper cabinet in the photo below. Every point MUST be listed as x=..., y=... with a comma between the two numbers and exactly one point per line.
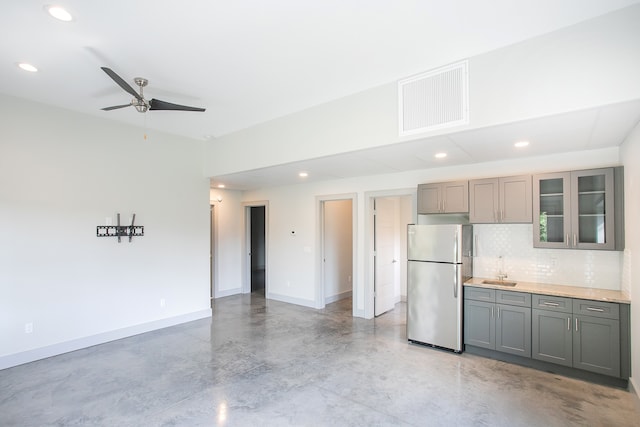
x=500, y=200
x=577, y=210
x=443, y=197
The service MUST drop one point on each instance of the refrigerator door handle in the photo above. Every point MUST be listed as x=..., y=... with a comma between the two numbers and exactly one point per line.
x=455, y=248
x=455, y=282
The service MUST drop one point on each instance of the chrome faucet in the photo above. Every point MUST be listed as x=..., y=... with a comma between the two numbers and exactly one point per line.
x=501, y=273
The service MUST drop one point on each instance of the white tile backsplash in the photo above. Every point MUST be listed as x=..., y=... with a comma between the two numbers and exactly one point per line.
x=521, y=261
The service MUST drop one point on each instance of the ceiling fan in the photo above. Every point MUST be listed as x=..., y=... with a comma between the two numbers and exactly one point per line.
x=141, y=104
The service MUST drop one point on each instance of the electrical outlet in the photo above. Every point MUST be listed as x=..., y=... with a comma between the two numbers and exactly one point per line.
x=28, y=328
x=163, y=303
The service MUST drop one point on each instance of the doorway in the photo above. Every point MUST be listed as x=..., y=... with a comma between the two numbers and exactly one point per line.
x=337, y=250
x=257, y=251
x=336, y=225
x=391, y=214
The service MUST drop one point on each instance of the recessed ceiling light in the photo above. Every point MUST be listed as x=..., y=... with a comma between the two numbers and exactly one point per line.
x=27, y=67
x=303, y=174
x=440, y=155
x=59, y=13
x=220, y=185
x=521, y=144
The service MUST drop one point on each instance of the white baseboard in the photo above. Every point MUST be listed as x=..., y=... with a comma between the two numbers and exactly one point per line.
x=291, y=300
x=21, y=358
x=632, y=387
x=338, y=297
x=227, y=293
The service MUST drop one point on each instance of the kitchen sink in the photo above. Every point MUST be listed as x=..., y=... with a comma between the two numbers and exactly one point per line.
x=498, y=282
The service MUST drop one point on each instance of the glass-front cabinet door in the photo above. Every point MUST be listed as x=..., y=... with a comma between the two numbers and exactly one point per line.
x=592, y=207
x=551, y=210
x=574, y=210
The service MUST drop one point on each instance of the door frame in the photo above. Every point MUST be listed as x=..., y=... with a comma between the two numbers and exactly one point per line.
x=213, y=251
x=246, y=246
x=369, y=222
x=320, y=279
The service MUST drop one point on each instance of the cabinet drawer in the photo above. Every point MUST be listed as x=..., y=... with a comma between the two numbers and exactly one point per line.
x=608, y=310
x=480, y=294
x=521, y=299
x=551, y=303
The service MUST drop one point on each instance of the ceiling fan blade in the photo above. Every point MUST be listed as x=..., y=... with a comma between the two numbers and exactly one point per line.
x=156, y=104
x=124, y=85
x=115, y=107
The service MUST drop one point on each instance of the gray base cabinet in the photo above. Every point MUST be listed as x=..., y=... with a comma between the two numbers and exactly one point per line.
x=479, y=324
x=596, y=345
x=583, y=334
x=504, y=327
x=513, y=330
x=552, y=337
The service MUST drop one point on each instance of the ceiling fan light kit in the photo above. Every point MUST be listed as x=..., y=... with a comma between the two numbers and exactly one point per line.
x=139, y=101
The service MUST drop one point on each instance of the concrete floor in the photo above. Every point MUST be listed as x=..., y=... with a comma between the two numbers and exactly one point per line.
x=258, y=363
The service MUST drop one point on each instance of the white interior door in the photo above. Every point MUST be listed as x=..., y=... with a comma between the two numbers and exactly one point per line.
x=386, y=269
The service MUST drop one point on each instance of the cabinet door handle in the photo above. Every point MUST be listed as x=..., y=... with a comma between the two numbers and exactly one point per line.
x=551, y=304
x=498, y=312
x=568, y=323
x=576, y=324
x=566, y=239
x=491, y=311
x=443, y=206
x=599, y=310
x=575, y=240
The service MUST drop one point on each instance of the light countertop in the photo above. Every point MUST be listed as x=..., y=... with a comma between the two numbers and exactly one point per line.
x=555, y=290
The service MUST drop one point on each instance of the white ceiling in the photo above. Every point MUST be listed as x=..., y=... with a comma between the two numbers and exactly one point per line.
x=583, y=130
x=249, y=61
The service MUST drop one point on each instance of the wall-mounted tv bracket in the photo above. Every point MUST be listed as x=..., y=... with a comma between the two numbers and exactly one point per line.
x=120, y=231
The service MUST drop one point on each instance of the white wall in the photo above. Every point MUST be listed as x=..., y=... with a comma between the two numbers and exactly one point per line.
x=292, y=267
x=582, y=66
x=61, y=175
x=630, y=153
x=590, y=64
x=228, y=237
x=522, y=262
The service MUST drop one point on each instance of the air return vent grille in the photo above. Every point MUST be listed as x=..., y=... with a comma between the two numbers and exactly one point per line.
x=435, y=99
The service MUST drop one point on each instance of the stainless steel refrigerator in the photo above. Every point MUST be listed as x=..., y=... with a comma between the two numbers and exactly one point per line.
x=440, y=260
